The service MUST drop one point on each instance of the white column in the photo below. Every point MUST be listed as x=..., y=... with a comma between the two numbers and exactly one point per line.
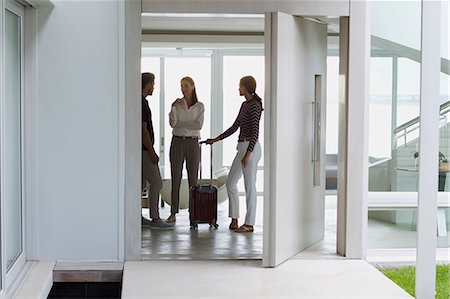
x=2, y=267
x=357, y=129
x=342, y=141
x=428, y=150
x=130, y=125
x=31, y=132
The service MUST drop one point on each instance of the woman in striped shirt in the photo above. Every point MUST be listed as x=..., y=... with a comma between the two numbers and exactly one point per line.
x=247, y=157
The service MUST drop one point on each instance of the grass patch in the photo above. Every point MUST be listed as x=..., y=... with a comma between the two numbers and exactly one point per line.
x=405, y=277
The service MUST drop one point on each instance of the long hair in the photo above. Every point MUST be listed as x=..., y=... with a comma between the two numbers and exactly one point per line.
x=250, y=85
x=194, y=93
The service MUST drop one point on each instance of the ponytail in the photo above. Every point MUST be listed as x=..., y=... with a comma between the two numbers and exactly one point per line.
x=257, y=98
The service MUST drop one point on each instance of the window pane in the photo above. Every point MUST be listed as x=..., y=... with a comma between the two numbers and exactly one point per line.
x=199, y=69
x=380, y=105
x=443, y=240
x=408, y=90
x=234, y=68
x=12, y=172
x=394, y=100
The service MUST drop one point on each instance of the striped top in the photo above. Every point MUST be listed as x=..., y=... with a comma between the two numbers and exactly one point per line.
x=248, y=120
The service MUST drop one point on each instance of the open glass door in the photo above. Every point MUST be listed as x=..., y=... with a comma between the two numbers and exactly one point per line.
x=294, y=183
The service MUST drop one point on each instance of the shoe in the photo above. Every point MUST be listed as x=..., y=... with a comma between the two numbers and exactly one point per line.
x=160, y=224
x=233, y=227
x=145, y=221
x=244, y=229
x=171, y=219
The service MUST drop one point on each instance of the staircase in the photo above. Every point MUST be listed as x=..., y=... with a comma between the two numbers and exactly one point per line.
x=400, y=173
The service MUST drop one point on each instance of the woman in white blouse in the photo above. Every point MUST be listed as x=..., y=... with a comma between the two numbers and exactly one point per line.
x=186, y=119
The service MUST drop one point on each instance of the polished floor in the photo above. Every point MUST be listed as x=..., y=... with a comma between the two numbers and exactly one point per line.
x=204, y=243
x=385, y=241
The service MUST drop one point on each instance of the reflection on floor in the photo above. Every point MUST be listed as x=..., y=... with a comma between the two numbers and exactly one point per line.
x=383, y=234
x=205, y=243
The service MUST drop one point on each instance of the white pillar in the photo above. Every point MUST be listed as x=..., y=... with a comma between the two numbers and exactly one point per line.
x=130, y=127
x=428, y=150
x=342, y=141
x=357, y=129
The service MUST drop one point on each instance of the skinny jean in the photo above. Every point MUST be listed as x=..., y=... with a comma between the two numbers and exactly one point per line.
x=249, y=172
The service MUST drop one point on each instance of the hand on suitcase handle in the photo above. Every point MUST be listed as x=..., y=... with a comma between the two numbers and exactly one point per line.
x=210, y=140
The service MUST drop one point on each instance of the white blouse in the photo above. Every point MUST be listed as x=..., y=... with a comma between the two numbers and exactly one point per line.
x=187, y=122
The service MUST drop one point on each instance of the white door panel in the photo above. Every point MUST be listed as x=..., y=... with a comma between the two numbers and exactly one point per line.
x=294, y=207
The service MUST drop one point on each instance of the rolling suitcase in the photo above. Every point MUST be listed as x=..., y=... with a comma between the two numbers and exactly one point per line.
x=203, y=201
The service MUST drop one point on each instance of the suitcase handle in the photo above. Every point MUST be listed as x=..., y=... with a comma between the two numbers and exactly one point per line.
x=200, y=163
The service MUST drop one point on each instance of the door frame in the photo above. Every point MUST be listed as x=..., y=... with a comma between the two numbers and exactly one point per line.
x=129, y=111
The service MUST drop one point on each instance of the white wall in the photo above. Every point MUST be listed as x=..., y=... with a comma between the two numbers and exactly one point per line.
x=77, y=127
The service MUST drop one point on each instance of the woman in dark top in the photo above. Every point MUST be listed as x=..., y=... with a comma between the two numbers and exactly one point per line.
x=247, y=157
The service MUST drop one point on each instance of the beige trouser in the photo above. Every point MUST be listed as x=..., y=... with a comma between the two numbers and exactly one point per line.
x=183, y=149
x=151, y=174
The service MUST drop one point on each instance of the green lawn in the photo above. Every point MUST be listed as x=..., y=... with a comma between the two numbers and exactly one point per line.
x=405, y=277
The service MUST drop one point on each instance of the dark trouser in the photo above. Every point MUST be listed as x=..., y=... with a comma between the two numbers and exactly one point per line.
x=183, y=149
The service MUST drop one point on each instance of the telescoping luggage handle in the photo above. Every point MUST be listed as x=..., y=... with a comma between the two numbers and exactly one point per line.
x=200, y=164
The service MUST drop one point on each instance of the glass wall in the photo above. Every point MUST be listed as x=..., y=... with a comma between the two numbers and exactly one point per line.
x=394, y=126
x=12, y=139
x=443, y=240
x=394, y=107
x=380, y=104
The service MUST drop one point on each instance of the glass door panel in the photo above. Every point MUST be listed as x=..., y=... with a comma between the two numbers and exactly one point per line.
x=12, y=147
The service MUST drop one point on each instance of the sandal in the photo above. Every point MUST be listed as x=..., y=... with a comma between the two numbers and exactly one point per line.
x=244, y=229
x=233, y=227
